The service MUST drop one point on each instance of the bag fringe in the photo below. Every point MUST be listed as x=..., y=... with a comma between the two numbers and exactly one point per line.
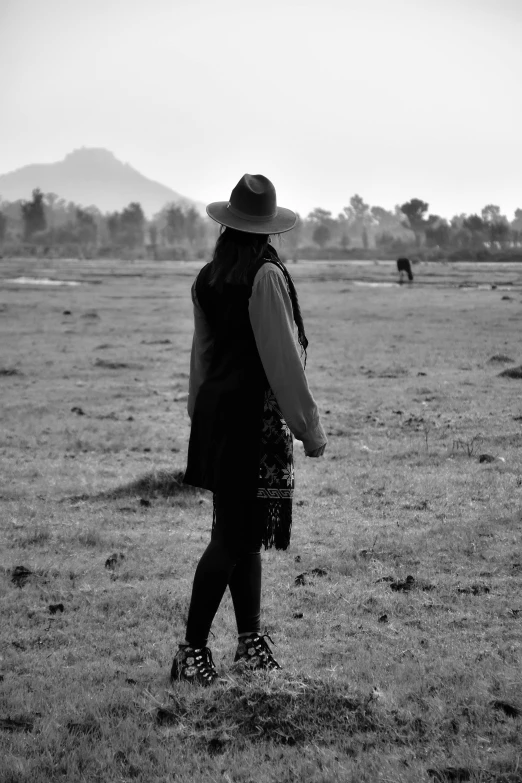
x=278, y=523
x=276, y=518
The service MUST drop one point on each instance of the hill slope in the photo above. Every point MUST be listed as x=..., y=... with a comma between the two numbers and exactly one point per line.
x=92, y=176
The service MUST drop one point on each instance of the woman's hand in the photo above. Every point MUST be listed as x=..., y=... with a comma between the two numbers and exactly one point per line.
x=316, y=452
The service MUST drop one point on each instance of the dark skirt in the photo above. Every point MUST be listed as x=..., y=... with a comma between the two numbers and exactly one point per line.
x=265, y=500
x=245, y=520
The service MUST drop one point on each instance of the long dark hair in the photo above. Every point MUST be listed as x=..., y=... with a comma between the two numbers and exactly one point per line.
x=236, y=255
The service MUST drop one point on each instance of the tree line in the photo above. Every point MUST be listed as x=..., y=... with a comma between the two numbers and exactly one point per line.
x=410, y=228
x=47, y=224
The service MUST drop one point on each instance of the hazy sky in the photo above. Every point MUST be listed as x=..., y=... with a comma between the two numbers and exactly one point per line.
x=392, y=99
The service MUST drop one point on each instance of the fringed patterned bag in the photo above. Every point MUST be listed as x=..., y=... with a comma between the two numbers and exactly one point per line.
x=275, y=489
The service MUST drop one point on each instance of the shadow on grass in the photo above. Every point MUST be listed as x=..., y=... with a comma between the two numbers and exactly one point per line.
x=156, y=484
x=512, y=372
x=287, y=713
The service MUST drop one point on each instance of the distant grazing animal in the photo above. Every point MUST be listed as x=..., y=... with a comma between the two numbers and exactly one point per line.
x=404, y=267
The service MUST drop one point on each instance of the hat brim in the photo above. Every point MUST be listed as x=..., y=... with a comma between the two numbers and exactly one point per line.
x=284, y=220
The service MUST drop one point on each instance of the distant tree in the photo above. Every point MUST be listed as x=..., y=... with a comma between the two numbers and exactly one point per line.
x=292, y=238
x=496, y=225
x=132, y=224
x=33, y=214
x=185, y=230
x=321, y=235
x=358, y=210
x=384, y=220
x=192, y=225
x=499, y=231
x=477, y=229
x=474, y=223
x=461, y=238
x=457, y=221
x=86, y=227
x=113, y=227
x=153, y=239
x=175, y=223
x=127, y=228
x=66, y=234
x=437, y=231
x=516, y=226
x=321, y=224
x=321, y=217
x=153, y=234
x=51, y=199
x=359, y=218
x=415, y=211
x=491, y=214
x=345, y=240
x=492, y=227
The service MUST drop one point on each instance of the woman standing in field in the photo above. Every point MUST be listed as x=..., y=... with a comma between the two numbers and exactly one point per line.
x=248, y=394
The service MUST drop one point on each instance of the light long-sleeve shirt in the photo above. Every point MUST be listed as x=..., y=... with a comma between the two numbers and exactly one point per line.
x=271, y=316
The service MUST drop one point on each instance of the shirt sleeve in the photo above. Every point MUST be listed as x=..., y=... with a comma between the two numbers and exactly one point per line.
x=271, y=316
x=201, y=353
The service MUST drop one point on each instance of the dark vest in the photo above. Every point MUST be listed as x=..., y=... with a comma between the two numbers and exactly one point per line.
x=223, y=454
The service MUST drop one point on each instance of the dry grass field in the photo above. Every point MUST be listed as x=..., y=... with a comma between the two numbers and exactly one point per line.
x=397, y=611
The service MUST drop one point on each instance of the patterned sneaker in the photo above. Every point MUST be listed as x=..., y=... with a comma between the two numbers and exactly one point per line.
x=255, y=653
x=194, y=664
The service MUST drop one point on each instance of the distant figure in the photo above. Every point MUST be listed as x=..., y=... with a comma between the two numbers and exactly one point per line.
x=404, y=266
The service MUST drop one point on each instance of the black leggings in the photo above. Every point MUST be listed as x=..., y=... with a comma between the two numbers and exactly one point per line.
x=233, y=558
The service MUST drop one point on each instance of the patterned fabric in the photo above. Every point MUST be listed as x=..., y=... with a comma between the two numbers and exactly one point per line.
x=276, y=461
x=275, y=488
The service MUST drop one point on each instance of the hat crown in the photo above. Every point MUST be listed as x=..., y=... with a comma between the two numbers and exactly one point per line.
x=252, y=208
x=253, y=198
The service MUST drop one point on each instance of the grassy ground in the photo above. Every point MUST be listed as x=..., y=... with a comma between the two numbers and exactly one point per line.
x=397, y=610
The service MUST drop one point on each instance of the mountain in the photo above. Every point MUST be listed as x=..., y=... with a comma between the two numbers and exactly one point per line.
x=92, y=176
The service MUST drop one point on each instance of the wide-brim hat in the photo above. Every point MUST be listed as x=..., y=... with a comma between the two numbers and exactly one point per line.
x=252, y=208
